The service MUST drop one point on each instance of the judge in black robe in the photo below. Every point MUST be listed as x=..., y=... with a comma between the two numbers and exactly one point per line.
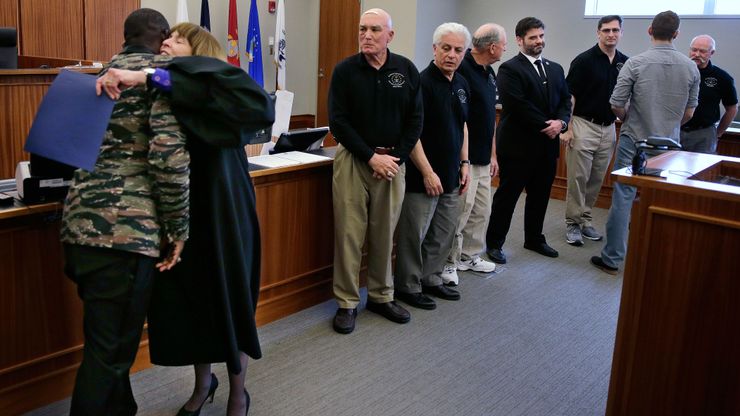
x=203, y=309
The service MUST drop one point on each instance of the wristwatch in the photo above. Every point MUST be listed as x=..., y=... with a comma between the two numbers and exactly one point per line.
x=149, y=72
x=462, y=162
x=565, y=126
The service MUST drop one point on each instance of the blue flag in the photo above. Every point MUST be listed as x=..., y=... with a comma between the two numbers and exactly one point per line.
x=254, y=46
x=205, y=16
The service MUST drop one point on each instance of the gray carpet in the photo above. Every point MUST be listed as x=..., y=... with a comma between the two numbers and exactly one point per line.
x=534, y=338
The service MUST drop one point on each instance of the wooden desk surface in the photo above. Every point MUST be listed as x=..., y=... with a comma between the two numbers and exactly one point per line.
x=679, y=168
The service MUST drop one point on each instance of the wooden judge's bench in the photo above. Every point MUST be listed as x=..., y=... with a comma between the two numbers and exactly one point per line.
x=677, y=347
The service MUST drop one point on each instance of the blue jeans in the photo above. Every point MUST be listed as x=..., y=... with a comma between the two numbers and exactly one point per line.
x=617, y=223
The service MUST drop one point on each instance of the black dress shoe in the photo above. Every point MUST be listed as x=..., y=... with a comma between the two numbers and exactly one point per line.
x=541, y=248
x=344, y=320
x=442, y=292
x=390, y=310
x=497, y=255
x=417, y=300
x=599, y=263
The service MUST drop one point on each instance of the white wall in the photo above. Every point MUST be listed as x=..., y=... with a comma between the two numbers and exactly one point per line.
x=568, y=33
x=301, y=26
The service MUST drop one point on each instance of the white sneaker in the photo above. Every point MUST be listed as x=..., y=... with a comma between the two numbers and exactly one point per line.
x=477, y=264
x=449, y=275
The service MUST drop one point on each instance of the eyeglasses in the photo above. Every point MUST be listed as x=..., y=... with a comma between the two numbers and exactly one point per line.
x=613, y=30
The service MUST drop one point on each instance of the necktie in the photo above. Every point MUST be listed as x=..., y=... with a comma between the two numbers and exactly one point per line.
x=541, y=71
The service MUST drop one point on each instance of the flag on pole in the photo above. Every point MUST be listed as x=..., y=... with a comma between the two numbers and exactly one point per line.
x=182, y=11
x=254, y=46
x=232, y=44
x=205, y=16
x=280, y=43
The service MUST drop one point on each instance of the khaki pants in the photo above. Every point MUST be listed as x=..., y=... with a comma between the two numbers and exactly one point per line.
x=587, y=161
x=363, y=206
x=470, y=238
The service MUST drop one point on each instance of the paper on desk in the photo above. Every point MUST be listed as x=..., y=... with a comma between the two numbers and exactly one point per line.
x=280, y=160
x=302, y=157
x=283, y=109
x=272, y=161
x=71, y=121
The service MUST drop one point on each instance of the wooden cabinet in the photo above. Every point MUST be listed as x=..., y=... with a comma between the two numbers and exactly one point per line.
x=677, y=347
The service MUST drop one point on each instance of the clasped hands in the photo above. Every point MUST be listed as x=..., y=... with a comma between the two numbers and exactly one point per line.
x=554, y=127
x=384, y=166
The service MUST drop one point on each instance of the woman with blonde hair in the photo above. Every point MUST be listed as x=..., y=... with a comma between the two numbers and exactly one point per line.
x=203, y=309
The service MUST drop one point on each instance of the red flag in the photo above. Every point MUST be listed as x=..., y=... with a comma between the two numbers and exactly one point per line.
x=233, y=38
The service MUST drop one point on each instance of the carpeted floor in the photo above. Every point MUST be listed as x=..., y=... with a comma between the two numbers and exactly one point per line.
x=534, y=338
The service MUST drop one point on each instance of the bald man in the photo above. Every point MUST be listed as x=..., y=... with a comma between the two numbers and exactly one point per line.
x=489, y=44
x=376, y=114
x=700, y=134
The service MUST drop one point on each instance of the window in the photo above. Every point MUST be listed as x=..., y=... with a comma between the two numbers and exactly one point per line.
x=694, y=8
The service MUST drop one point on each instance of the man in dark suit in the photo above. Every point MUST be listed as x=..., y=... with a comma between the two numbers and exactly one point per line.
x=536, y=109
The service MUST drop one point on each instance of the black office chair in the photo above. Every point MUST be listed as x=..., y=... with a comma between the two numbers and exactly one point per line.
x=8, y=48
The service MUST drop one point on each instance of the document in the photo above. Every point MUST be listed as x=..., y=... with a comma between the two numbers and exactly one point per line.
x=280, y=160
x=71, y=121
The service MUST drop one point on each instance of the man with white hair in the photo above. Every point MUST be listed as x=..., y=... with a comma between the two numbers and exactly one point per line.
x=700, y=134
x=437, y=177
x=489, y=44
x=375, y=113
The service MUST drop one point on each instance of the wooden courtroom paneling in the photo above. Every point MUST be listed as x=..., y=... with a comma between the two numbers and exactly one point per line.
x=295, y=213
x=52, y=28
x=104, y=27
x=9, y=14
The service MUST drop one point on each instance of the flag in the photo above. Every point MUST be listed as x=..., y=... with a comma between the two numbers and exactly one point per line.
x=232, y=43
x=280, y=42
x=182, y=11
x=254, y=46
x=205, y=16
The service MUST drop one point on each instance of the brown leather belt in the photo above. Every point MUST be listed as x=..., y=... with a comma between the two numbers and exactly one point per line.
x=383, y=150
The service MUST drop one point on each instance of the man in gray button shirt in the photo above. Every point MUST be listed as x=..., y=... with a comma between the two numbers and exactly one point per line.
x=656, y=92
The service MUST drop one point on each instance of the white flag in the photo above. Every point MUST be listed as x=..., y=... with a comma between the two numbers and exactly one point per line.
x=280, y=43
x=182, y=11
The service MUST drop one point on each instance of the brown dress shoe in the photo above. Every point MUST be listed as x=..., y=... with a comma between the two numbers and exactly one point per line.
x=442, y=292
x=344, y=320
x=390, y=310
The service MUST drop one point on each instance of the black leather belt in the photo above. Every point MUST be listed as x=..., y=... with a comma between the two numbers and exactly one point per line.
x=595, y=120
x=692, y=128
x=383, y=150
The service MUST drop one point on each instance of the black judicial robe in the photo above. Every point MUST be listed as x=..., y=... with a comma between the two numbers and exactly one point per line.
x=203, y=309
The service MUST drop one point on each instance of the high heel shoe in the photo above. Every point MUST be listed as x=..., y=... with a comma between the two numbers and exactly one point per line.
x=246, y=411
x=211, y=393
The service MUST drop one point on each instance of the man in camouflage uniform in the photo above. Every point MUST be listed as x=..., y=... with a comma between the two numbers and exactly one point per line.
x=115, y=220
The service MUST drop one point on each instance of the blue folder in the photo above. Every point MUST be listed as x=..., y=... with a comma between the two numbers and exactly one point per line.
x=71, y=121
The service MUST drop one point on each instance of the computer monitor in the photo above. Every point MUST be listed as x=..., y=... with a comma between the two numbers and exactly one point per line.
x=300, y=140
x=8, y=48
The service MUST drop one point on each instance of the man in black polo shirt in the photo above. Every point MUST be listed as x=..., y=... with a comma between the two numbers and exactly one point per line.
x=437, y=176
x=375, y=113
x=591, y=137
x=489, y=43
x=700, y=134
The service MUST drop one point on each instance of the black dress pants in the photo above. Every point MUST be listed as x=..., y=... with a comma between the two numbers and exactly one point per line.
x=115, y=288
x=536, y=177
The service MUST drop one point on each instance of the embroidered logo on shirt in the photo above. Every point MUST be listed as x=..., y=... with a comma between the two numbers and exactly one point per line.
x=462, y=96
x=711, y=82
x=396, y=80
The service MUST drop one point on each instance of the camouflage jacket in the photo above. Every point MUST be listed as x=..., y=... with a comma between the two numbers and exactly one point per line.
x=139, y=190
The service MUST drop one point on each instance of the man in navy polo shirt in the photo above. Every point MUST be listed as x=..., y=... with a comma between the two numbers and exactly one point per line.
x=489, y=43
x=375, y=113
x=437, y=176
x=700, y=134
